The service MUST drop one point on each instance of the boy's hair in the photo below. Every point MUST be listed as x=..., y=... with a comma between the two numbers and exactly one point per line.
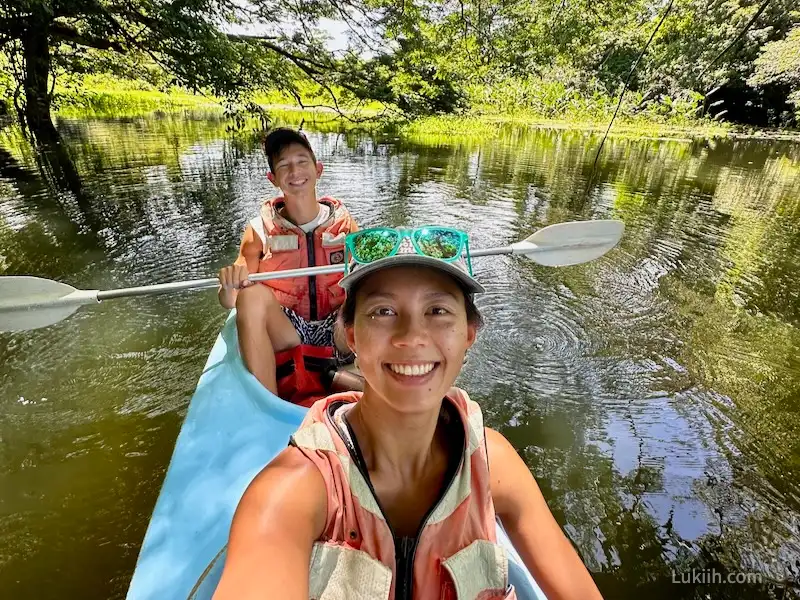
x=281, y=138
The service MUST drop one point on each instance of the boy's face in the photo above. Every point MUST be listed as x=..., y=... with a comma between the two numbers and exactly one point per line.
x=295, y=171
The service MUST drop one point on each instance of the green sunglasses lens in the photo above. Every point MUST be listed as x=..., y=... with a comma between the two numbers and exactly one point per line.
x=374, y=245
x=438, y=243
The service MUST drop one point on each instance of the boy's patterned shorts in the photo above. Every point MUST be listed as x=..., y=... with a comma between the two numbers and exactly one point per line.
x=318, y=333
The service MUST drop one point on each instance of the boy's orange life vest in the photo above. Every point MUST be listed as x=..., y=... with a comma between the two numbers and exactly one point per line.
x=455, y=554
x=302, y=373
x=286, y=246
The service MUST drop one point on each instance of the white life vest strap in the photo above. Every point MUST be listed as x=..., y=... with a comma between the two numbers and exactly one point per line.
x=257, y=223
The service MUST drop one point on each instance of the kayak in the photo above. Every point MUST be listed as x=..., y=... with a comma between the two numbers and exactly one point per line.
x=232, y=429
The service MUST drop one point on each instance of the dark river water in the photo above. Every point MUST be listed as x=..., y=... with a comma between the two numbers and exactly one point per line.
x=655, y=393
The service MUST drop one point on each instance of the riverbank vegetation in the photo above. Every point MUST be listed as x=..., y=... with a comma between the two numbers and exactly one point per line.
x=427, y=65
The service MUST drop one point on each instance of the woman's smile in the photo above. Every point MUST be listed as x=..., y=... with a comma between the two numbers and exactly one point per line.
x=413, y=373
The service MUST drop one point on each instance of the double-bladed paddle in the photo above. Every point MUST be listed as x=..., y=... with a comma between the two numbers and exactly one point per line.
x=32, y=302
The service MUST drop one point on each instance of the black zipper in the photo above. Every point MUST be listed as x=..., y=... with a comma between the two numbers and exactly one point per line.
x=407, y=586
x=403, y=589
x=410, y=583
x=312, y=279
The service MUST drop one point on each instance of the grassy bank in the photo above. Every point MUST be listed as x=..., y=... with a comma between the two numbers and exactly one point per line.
x=488, y=125
x=104, y=96
x=101, y=96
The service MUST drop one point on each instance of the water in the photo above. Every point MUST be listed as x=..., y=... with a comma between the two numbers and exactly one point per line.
x=655, y=393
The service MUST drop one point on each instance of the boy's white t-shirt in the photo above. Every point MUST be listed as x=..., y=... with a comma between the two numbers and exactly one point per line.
x=322, y=216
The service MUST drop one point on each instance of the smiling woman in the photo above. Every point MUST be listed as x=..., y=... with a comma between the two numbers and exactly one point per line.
x=388, y=493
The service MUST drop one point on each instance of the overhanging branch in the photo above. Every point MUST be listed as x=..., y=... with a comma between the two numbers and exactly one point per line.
x=313, y=69
x=112, y=20
x=69, y=34
x=308, y=65
x=245, y=37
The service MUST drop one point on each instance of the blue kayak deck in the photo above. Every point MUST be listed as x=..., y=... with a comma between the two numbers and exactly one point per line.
x=232, y=429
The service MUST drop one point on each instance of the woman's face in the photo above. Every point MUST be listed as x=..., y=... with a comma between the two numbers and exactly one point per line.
x=410, y=334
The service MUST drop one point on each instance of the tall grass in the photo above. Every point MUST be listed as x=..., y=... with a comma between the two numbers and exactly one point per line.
x=552, y=100
x=564, y=99
x=103, y=95
x=128, y=103
x=560, y=96
x=489, y=126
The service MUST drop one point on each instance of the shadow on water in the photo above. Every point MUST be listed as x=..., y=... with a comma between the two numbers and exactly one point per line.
x=653, y=393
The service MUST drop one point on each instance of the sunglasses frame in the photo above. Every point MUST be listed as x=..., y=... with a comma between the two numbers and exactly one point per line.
x=402, y=233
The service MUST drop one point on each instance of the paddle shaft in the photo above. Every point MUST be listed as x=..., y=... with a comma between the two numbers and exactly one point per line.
x=198, y=284
x=32, y=302
x=528, y=248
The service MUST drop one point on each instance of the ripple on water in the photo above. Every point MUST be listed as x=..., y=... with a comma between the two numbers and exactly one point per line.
x=535, y=338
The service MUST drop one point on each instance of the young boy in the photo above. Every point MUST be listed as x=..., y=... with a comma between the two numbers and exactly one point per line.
x=293, y=231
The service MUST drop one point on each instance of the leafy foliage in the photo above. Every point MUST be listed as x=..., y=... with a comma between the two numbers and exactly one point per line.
x=779, y=62
x=195, y=44
x=556, y=57
x=552, y=57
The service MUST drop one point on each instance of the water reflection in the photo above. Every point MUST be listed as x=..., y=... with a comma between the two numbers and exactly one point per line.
x=654, y=393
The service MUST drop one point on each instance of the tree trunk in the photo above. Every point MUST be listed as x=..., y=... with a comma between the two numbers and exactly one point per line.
x=56, y=163
x=36, y=51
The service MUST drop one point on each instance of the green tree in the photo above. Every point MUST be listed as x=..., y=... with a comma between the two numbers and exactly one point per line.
x=588, y=47
x=190, y=42
x=181, y=36
x=779, y=62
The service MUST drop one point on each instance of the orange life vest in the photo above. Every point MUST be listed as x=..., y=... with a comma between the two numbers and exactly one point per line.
x=301, y=373
x=455, y=554
x=286, y=246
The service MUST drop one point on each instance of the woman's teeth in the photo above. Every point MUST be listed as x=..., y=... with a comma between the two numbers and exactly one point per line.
x=413, y=370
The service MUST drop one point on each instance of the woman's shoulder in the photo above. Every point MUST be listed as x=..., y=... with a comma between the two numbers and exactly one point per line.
x=289, y=463
x=506, y=467
x=498, y=447
x=289, y=484
x=279, y=517
x=514, y=488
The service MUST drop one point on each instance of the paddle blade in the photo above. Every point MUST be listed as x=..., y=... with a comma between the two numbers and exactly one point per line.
x=565, y=244
x=32, y=302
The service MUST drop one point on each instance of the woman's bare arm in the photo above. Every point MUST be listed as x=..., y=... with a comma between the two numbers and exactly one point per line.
x=279, y=517
x=533, y=530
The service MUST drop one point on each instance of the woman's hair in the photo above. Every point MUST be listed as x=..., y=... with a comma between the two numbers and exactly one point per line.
x=347, y=312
